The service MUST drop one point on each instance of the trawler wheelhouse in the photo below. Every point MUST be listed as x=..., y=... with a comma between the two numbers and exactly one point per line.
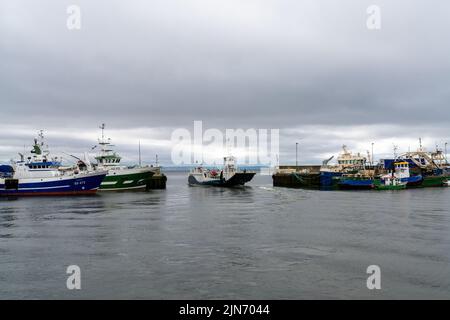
x=106, y=160
x=107, y=156
x=347, y=159
x=40, y=159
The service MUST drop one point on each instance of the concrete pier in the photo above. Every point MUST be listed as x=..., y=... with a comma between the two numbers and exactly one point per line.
x=284, y=177
x=158, y=181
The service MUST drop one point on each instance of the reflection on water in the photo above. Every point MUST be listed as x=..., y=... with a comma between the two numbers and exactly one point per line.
x=257, y=242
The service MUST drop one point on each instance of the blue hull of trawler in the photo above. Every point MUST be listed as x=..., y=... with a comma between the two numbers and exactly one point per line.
x=356, y=184
x=414, y=181
x=328, y=179
x=56, y=186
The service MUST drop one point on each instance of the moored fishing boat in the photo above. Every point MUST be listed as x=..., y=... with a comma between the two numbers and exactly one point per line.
x=40, y=175
x=229, y=176
x=347, y=163
x=390, y=183
x=434, y=181
x=401, y=171
x=431, y=166
x=356, y=182
x=120, y=177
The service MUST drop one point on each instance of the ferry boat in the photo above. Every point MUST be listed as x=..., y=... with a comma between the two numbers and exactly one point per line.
x=229, y=176
x=40, y=175
x=119, y=177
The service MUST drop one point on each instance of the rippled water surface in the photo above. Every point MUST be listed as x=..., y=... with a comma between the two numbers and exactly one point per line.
x=257, y=242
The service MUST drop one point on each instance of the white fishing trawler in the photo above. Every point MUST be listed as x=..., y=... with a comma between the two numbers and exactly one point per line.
x=39, y=174
x=228, y=176
x=119, y=177
x=348, y=160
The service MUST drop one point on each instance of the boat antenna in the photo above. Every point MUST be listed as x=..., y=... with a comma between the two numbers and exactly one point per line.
x=41, y=137
x=420, y=144
x=395, y=151
x=140, y=163
x=371, y=158
x=103, y=131
x=445, y=150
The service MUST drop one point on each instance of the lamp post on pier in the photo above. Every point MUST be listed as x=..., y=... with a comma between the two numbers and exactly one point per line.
x=371, y=158
x=445, y=155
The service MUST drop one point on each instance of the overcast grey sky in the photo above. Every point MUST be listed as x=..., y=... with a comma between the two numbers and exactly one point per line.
x=310, y=68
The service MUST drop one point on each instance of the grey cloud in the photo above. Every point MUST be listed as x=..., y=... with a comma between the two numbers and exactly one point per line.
x=263, y=64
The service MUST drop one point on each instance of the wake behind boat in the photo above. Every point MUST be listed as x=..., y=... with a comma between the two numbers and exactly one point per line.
x=229, y=176
x=41, y=175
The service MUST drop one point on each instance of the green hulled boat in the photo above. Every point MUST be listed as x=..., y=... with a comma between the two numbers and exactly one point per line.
x=434, y=181
x=126, y=178
x=390, y=183
x=120, y=177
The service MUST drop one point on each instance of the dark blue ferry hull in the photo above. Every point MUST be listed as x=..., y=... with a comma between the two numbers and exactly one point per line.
x=239, y=179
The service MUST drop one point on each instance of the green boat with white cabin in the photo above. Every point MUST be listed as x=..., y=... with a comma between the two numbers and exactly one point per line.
x=120, y=177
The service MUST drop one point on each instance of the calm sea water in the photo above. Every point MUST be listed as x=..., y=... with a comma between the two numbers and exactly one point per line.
x=257, y=242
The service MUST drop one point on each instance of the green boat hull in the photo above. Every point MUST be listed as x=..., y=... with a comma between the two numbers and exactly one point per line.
x=434, y=181
x=116, y=181
x=382, y=187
